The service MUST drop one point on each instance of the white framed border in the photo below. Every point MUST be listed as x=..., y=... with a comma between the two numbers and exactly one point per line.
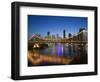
x=41, y=70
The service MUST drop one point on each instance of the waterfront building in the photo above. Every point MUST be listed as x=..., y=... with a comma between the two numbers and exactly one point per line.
x=53, y=37
x=57, y=35
x=64, y=33
x=81, y=35
x=48, y=35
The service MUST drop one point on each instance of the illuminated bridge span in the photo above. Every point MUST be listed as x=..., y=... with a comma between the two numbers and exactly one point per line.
x=78, y=42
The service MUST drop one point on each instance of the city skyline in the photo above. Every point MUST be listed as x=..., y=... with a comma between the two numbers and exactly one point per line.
x=38, y=24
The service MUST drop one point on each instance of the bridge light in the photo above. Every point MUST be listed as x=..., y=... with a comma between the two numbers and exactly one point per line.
x=34, y=46
x=38, y=45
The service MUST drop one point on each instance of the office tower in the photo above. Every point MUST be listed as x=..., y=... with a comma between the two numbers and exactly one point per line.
x=57, y=35
x=48, y=33
x=53, y=36
x=64, y=33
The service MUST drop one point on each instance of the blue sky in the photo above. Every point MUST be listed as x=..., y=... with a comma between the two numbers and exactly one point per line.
x=39, y=24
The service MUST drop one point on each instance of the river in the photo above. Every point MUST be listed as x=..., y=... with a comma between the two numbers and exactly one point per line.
x=65, y=50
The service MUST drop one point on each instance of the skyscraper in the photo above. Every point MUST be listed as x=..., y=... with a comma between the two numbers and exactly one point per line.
x=48, y=33
x=57, y=35
x=64, y=33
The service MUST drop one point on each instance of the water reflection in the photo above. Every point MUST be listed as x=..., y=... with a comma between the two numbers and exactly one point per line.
x=61, y=52
x=65, y=50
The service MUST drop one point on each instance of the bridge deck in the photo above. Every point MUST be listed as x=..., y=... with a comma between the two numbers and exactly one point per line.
x=58, y=41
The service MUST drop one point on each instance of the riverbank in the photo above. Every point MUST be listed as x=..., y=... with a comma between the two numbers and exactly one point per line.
x=39, y=59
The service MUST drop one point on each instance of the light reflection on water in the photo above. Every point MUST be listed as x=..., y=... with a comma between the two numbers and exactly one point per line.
x=65, y=50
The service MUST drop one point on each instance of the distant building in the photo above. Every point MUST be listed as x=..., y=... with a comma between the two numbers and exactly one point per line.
x=69, y=35
x=48, y=33
x=81, y=35
x=64, y=33
x=81, y=29
x=57, y=35
x=53, y=37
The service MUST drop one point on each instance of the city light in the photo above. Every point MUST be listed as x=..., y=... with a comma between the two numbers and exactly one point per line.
x=52, y=41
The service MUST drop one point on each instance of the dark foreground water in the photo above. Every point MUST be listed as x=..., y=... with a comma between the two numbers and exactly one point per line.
x=76, y=51
x=66, y=50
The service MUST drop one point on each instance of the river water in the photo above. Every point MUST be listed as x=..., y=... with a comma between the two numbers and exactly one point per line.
x=65, y=50
x=78, y=52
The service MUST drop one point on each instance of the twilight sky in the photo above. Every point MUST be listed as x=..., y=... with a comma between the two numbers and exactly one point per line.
x=39, y=24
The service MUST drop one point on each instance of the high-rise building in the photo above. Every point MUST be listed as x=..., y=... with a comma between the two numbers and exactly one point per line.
x=57, y=35
x=64, y=33
x=48, y=33
x=53, y=36
x=82, y=34
x=69, y=35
